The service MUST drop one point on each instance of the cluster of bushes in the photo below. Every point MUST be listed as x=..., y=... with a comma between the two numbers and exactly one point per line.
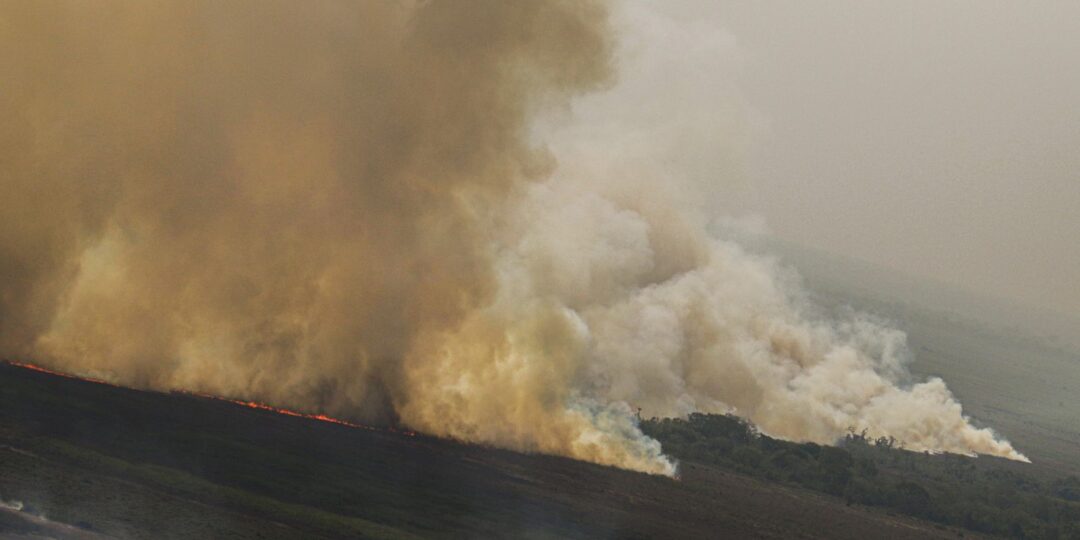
x=983, y=495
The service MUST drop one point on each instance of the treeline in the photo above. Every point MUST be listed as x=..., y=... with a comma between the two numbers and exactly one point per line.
x=981, y=495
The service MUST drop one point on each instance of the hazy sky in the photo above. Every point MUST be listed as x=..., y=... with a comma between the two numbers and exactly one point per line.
x=941, y=139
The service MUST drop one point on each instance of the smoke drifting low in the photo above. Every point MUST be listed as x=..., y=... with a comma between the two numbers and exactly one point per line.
x=341, y=207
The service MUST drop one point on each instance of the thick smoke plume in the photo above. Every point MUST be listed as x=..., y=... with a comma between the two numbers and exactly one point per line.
x=344, y=207
x=268, y=198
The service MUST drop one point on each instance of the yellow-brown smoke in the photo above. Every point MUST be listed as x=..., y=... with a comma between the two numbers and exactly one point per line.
x=267, y=198
x=340, y=207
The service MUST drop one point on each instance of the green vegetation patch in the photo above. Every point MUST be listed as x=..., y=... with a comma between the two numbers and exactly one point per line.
x=986, y=495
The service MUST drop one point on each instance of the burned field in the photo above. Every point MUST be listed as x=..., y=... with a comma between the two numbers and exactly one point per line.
x=95, y=460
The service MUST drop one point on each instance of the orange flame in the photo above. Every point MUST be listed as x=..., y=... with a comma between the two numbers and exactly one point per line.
x=289, y=412
x=242, y=403
x=48, y=371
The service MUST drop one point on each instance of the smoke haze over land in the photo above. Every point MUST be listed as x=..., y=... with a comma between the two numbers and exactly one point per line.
x=397, y=212
x=932, y=138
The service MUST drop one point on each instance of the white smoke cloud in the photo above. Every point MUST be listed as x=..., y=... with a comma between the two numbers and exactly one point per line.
x=612, y=294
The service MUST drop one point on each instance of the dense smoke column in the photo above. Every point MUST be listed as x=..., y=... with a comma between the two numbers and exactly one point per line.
x=266, y=198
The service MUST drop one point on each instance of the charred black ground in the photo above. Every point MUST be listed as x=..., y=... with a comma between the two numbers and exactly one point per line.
x=96, y=460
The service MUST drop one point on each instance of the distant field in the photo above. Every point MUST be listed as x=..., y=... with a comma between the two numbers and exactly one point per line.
x=1030, y=394
x=1010, y=367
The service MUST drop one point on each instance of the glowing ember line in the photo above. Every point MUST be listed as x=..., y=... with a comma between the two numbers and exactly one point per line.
x=242, y=403
x=48, y=371
x=289, y=412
